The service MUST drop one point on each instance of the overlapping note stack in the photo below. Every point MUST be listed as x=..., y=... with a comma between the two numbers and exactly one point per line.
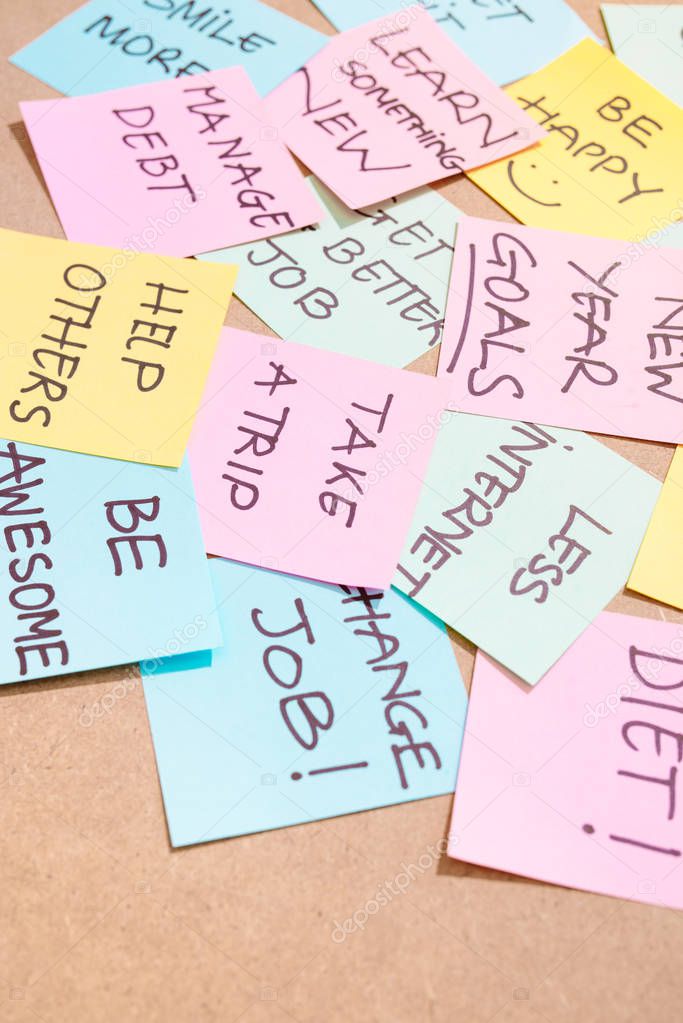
x=355, y=509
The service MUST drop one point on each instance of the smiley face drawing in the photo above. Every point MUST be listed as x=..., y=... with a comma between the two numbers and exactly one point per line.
x=527, y=195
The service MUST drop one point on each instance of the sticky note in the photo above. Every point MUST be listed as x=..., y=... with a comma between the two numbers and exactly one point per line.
x=102, y=564
x=671, y=236
x=522, y=534
x=575, y=782
x=112, y=43
x=566, y=330
x=608, y=165
x=392, y=105
x=309, y=462
x=506, y=38
x=105, y=351
x=648, y=38
x=658, y=568
x=175, y=167
x=325, y=700
x=372, y=285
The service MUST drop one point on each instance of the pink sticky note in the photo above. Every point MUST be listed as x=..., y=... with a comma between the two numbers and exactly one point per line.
x=179, y=166
x=577, y=781
x=309, y=462
x=392, y=105
x=565, y=330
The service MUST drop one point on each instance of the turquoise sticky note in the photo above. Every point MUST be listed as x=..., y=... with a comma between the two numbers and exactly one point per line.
x=522, y=534
x=649, y=39
x=323, y=701
x=507, y=38
x=673, y=235
x=102, y=563
x=371, y=284
x=108, y=44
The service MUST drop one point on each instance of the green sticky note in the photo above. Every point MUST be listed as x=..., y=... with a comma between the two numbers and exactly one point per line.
x=521, y=536
x=649, y=39
x=372, y=284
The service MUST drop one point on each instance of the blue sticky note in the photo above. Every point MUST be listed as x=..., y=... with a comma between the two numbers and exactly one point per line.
x=672, y=236
x=108, y=44
x=649, y=39
x=324, y=701
x=507, y=38
x=102, y=563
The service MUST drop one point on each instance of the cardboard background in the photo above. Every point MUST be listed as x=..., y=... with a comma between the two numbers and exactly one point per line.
x=101, y=921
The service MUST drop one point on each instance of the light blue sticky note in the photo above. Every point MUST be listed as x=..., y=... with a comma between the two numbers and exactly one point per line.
x=371, y=284
x=522, y=534
x=507, y=38
x=672, y=235
x=323, y=701
x=108, y=44
x=649, y=38
x=102, y=563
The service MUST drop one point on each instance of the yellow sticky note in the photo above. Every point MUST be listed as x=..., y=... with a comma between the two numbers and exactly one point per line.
x=658, y=570
x=611, y=162
x=105, y=351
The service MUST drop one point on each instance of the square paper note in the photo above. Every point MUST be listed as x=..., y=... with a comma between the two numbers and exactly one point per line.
x=178, y=167
x=310, y=462
x=102, y=563
x=565, y=329
x=576, y=782
x=649, y=39
x=609, y=164
x=114, y=43
x=506, y=38
x=370, y=284
x=658, y=569
x=392, y=105
x=104, y=351
x=521, y=535
x=324, y=700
